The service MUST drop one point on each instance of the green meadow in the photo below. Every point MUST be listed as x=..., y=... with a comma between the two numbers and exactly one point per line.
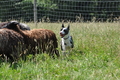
x=95, y=55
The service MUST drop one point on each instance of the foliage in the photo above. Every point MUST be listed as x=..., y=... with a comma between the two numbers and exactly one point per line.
x=61, y=9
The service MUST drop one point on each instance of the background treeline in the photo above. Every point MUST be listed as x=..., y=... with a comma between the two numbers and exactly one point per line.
x=54, y=10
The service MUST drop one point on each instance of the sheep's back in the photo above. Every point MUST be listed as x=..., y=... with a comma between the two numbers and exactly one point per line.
x=44, y=35
x=3, y=23
x=9, y=39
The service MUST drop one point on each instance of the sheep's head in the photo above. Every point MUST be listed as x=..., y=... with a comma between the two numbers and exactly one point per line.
x=11, y=25
x=24, y=26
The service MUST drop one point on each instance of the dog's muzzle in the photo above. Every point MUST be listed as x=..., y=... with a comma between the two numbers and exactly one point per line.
x=62, y=35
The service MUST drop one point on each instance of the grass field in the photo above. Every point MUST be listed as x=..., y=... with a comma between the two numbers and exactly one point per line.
x=95, y=56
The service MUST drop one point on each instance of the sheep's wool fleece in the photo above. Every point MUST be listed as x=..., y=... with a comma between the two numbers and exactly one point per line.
x=9, y=39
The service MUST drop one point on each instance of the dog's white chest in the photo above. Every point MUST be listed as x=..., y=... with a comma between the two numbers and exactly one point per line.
x=66, y=45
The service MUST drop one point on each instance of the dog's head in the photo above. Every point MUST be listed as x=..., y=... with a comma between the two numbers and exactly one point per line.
x=64, y=31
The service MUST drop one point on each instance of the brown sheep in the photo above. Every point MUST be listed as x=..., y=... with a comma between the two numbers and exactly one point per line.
x=38, y=39
x=10, y=43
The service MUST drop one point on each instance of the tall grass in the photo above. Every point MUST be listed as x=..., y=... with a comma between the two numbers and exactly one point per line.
x=96, y=56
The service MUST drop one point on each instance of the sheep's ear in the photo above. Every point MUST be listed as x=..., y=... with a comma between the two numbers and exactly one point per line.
x=68, y=27
x=62, y=25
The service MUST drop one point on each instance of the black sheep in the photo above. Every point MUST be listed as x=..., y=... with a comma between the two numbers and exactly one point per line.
x=11, y=44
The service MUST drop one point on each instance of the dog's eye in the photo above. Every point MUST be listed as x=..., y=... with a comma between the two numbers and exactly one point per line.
x=64, y=30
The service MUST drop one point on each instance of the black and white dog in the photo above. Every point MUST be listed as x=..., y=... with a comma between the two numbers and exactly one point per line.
x=67, y=41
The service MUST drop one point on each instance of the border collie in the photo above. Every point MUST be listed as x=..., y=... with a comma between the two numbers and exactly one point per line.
x=67, y=41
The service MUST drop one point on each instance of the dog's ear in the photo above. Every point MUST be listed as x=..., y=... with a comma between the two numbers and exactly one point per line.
x=62, y=25
x=68, y=27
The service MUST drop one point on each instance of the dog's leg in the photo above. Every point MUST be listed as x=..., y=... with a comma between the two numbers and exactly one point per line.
x=66, y=53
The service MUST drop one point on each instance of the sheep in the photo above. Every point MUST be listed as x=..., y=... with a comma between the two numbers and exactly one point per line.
x=10, y=44
x=2, y=24
x=22, y=25
x=37, y=39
